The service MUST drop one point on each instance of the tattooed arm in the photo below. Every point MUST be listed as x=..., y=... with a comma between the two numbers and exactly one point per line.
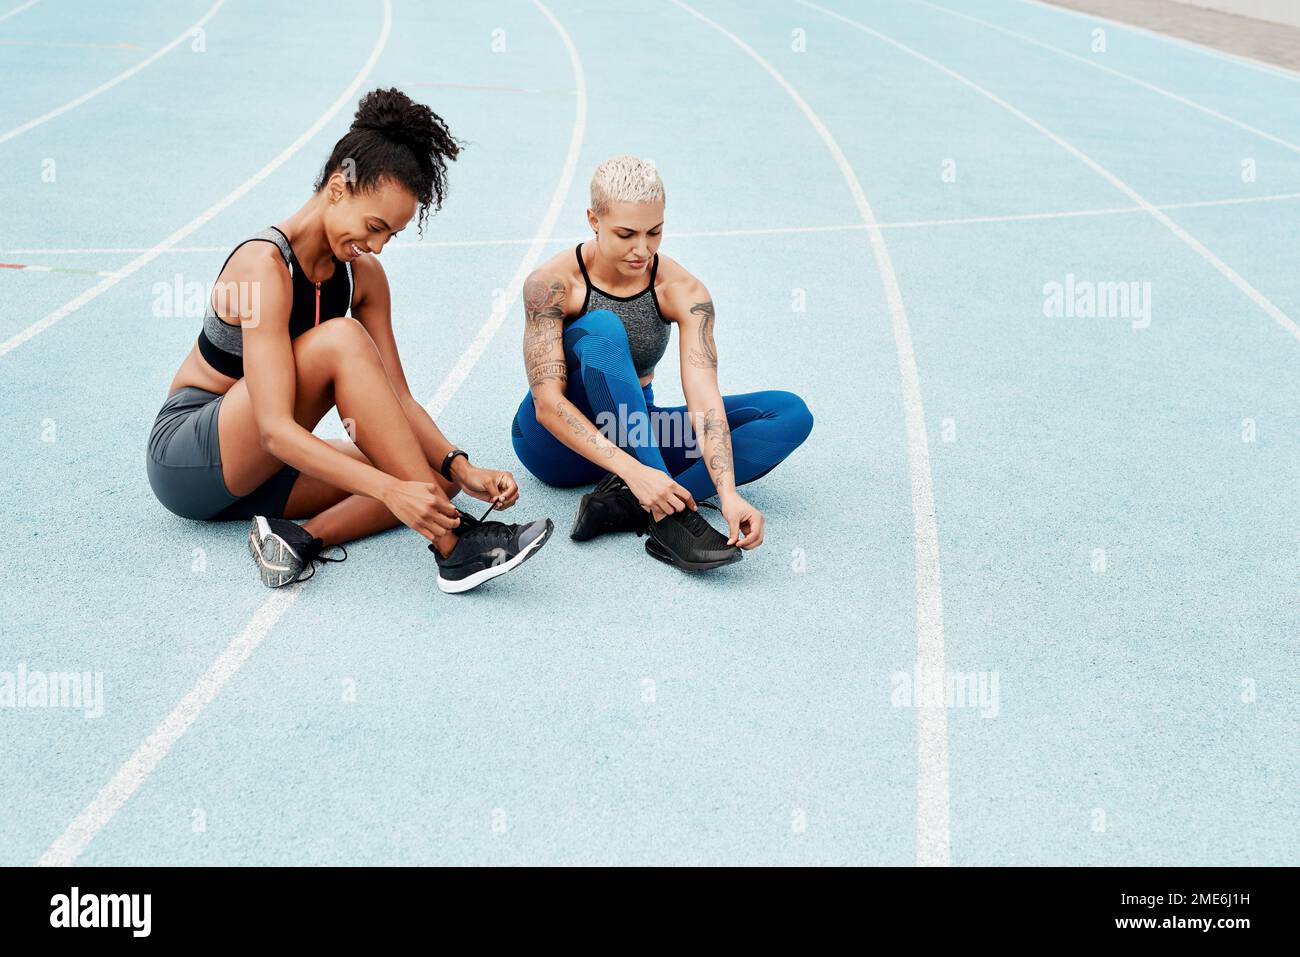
x=691, y=305
x=548, y=375
x=695, y=315
x=544, y=297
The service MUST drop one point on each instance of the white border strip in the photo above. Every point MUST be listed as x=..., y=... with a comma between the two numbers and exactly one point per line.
x=1255, y=296
x=1192, y=104
x=65, y=850
x=1281, y=72
x=932, y=837
x=103, y=87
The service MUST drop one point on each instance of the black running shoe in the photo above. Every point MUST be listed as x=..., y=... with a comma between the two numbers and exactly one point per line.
x=685, y=539
x=283, y=550
x=487, y=549
x=609, y=507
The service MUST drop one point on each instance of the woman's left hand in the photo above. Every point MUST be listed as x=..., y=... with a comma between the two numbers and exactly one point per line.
x=742, y=518
x=488, y=485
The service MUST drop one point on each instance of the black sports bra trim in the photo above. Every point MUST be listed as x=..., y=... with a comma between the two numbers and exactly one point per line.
x=347, y=268
x=289, y=262
x=337, y=262
x=586, y=299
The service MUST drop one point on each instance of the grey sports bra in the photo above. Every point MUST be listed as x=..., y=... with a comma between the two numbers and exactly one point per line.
x=222, y=343
x=647, y=329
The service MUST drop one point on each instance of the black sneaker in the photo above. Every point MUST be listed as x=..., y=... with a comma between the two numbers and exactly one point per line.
x=686, y=540
x=487, y=549
x=283, y=550
x=609, y=507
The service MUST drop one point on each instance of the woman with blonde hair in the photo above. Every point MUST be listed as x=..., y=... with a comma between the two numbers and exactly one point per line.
x=598, y=320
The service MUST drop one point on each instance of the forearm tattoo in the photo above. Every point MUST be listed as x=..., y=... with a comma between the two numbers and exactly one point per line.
x=717, y=435
x=603, y=446
x=543, y=331
x=706, y=355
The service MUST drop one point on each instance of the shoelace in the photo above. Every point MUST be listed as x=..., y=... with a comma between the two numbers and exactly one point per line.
x=696, y=522
x=311, y=554
x=492, y=531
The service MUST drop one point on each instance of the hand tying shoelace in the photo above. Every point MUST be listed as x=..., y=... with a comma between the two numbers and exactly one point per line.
x=481, y=528
x=485, y=549
x=687, y=540
x=696, y=522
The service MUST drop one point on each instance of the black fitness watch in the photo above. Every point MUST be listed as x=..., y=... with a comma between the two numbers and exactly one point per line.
x=446, y=463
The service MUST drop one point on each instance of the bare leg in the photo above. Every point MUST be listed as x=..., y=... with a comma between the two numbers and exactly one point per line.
x=336, y=515
x=337, y=363
x=355, y=517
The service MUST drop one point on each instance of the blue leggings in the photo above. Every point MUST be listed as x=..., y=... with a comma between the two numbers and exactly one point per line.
x=765, y=426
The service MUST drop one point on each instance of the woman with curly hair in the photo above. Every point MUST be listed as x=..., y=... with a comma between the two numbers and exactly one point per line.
x=299, y=322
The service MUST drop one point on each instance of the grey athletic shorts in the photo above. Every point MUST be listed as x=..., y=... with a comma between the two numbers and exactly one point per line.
x=184, y=464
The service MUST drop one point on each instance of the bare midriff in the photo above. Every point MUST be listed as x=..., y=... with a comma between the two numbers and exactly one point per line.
x=196, y=373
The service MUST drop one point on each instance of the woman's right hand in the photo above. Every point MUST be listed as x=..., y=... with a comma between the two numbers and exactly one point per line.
x=657, y=492
x=422, y=506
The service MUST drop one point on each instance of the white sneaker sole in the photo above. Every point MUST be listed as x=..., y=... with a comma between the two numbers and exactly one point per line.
x=478, y=578
x=276, y=561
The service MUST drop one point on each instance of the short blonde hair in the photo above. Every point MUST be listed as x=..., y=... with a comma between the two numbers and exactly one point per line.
x=625, y=179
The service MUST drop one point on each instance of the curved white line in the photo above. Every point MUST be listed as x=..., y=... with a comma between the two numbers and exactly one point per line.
x=1255, y=296
x=1281, y=72
x=65, y=850
x=1191, y=104
x=18, y=9
x=94, y=292
x=154, y=748
x=506, y=301
x=73, y=104
x=932, y=838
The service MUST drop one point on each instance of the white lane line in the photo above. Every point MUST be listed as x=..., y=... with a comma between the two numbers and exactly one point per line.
x=932, y=833
x=1255, y=296
x=154, y=748
x=469, y=358
x=719, y=233
x=18, y=9
x=73, y=104
x=59, y=269
x=69, y=845
x=1281, y=72
x=94, y=292
x=64, y=45
x=1191, y=104
x=65, y=850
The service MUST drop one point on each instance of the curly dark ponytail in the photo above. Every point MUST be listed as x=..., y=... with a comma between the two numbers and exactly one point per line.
x=396, y=138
